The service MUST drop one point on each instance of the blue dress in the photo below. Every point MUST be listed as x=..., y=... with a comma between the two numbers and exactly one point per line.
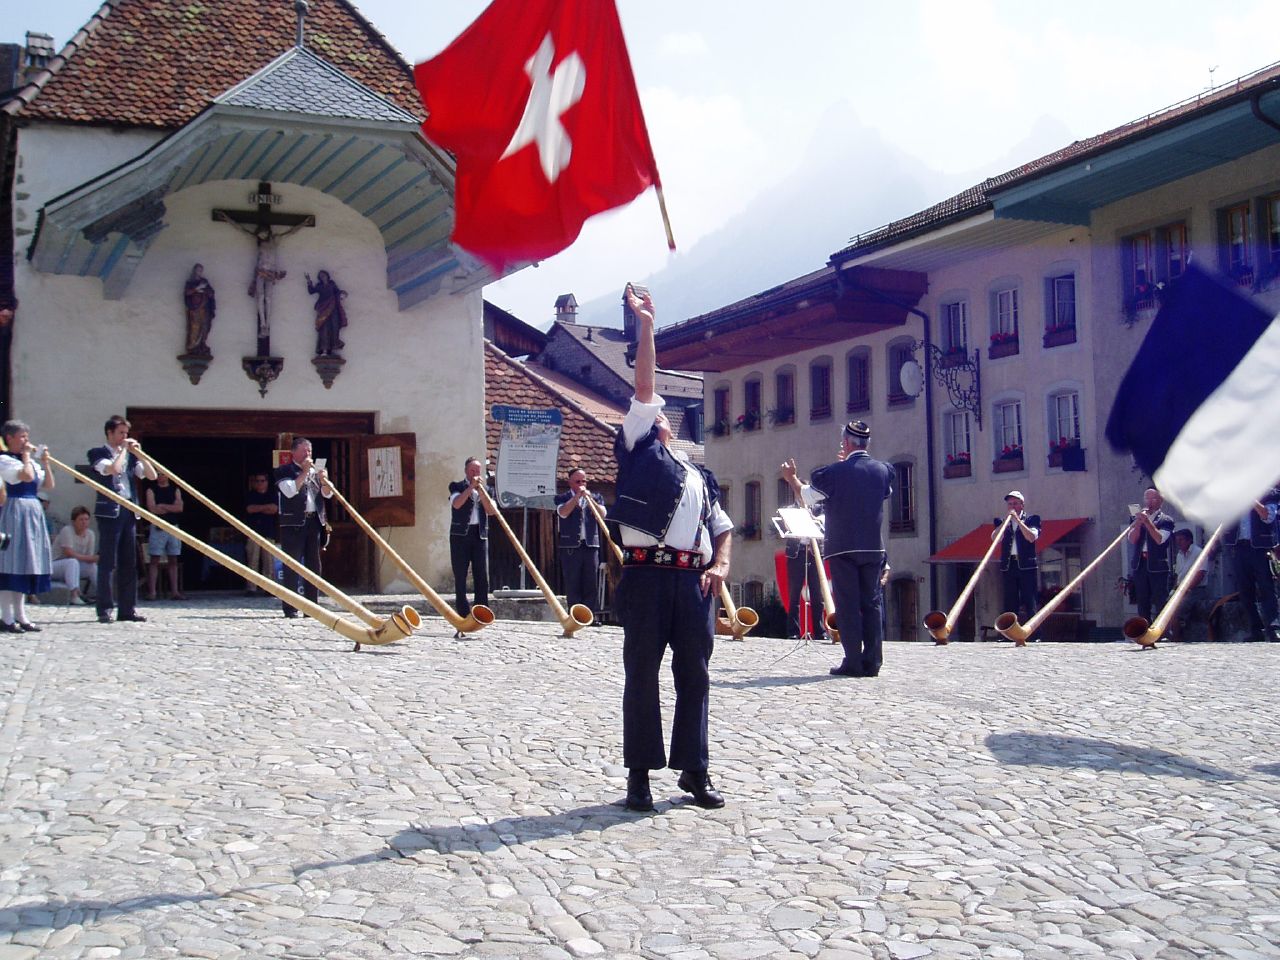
x=26, y=564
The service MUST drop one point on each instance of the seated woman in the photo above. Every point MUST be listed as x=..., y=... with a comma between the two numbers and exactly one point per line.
x=76, y=553
x=27, y=562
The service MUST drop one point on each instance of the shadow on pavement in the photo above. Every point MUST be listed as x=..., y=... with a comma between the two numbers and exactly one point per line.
x=1046, y=750
x=1270, y=769
x=56, y=914
x=771, y=682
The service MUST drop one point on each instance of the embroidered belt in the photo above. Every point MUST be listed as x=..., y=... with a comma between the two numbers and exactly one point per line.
x=662, y=557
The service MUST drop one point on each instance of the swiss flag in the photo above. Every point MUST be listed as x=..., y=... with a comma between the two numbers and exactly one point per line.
x=537, y=102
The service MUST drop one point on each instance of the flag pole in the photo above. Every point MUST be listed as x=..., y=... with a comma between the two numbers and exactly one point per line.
x=666, y=220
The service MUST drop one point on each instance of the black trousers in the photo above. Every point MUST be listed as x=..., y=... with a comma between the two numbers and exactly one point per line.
x=580, y=567
x=663, y=608
x=468, y=553
x=800, y=570
x=855, y=589
x=118, y=553
x=303, y=544
x=1150, y=589
x=1257, y=589
x=1021, y=592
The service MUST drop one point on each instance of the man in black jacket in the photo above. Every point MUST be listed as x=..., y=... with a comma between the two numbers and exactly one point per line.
x=468, y=536
x=116, y=526
x=303, y=488
x=579, y=541
x=1149, y=563
x=1020, y=572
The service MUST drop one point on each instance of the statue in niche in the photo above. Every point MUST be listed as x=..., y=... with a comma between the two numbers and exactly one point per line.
x=331, y=316
x=198, y=297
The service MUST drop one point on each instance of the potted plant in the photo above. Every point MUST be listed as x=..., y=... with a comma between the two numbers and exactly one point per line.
x=1009, y=460
x=749, y=531
x=748, y=421
x=1058, y=447
x=954, y=357
x=781, y=415
x=1004, y=343
x=1060, y=334
x=1145, y=297
x=958, y=465
x=721, y=427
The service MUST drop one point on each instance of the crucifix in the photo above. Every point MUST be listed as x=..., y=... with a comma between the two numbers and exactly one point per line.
x=260, y=224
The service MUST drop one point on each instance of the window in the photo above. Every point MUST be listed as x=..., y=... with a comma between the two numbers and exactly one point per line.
x=753, y=594
x=1059, y=565
x=784, y=389
x=1008, y=430
x=693, y=417
x=955, y=327
x=1237, y=259
x=820, y=389
x=751, y=523
x=1004, y=309
x=786, y=497
x=902, y=507
x=1064, y=418
x=1271, y=210
x=752, y=391
x=720, y=426
x=1061, y=312
x=1152, y=258
x=899, y=353
x=955, y=437
x=859, y=364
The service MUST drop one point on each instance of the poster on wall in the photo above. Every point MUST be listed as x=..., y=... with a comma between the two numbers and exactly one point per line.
x=527, y=455
x=385, y=479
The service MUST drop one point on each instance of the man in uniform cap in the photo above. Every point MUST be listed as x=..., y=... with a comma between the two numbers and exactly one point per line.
x=1019, y=570
x=853, y=491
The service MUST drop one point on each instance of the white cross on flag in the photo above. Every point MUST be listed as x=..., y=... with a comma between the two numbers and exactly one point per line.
x=537, y=102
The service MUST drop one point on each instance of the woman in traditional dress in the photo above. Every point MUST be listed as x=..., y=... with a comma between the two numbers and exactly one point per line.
x=26, y=560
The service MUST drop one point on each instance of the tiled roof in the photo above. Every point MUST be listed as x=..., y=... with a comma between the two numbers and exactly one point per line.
x=585, y=440
x=158, y=63
x=609, y=346
x=976, y=199
x=300, y=82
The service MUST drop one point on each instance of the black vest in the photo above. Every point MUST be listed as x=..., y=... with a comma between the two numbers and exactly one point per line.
x=650, y=483
x=124, y=484
x=1263, y=533
x=1026, y=548
x=293, y=510
x=460, y=520
x=575, y=525
x=1157, y=553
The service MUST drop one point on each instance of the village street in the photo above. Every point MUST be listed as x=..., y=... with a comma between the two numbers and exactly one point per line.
x=222, y=782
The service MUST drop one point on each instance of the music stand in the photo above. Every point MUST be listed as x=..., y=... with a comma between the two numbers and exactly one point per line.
x=797, y=523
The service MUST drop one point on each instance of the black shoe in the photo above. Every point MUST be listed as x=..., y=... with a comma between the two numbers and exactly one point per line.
x=9, y=627
x=845, y=671
x=697, y=782
x=291, y=613
x=105, y=617
x=639, y=798
x=132, y=618
x=27, y=627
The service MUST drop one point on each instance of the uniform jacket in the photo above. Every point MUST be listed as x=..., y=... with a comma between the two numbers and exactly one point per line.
x=1264, y=534
x=572, y=526
x=460, y=520
x=293, y=510
x=855, y=492
x=650, y=483
x=124, y=484
x=1158, y=554
x=1026, y=548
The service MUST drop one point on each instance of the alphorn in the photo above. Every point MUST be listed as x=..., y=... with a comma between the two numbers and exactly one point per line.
x=579, y=615
x=940, y=624
x=736, y=622
x=1007, y=623
x=480, y=615
x=397, y=627
x=343, y=600
x=1137, y=629
x=824, y=584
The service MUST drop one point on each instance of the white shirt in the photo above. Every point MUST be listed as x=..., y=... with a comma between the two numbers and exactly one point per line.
x=11, y=468
x=686, y=523
x=120, y=481
x=68, y=539
x=1183, y=562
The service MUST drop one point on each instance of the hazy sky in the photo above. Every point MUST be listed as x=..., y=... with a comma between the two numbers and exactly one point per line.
x=733, y=89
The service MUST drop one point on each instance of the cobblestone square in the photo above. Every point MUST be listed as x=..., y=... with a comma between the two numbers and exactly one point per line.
x=222, y=782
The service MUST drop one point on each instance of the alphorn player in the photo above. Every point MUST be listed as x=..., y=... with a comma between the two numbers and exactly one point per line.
x=676, y=544
x=468, y=537
x=303, y=489
x=579, y=541
x=853, y=491
x=1150, y=537
x=1019, y=569
x=117, y=552
x=802, y=570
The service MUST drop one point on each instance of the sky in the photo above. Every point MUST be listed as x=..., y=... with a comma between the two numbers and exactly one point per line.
x=733, y=90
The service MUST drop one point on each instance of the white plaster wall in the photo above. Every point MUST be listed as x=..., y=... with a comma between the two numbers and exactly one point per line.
x=79, y=358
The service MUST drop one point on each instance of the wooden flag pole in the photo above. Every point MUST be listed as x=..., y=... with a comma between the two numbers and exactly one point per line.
x=666, y=220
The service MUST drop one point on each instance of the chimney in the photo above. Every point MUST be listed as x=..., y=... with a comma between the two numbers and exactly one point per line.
x=566, y=308
x=629, y=318
x=38, y=53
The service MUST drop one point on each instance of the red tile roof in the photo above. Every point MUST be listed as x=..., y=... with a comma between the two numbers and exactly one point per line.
x=585, y=439
x=157, y=63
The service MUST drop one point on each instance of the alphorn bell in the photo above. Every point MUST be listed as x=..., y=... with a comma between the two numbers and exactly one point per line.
x=940, y=624
x=344, y=601
x=480, y=615
x=1137, y=629
x=398, y=627
x=1007, y=623
x=579, y=615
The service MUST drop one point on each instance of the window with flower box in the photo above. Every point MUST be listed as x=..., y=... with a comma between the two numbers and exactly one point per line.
x=784, y=398
x=752, y=412
x=1235, y=230
x=820, y=389
x=721, y=424
x=1151, y=259
x=1060, y=310
x=858, y=363
x=1007, y=433
x=786, y=496
x=1004, y=323
x=902, y=502
x=1064, y=424
x=955, y=332
x=955, y=440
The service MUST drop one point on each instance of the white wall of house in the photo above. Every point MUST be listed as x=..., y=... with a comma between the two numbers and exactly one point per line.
x=77, y=357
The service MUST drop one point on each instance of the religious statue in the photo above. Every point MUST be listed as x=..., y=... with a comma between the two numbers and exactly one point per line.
x=265, y=273
x=197, y=295
x=331, y=316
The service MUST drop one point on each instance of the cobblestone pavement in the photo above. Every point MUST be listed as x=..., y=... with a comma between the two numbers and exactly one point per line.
x=222, y=782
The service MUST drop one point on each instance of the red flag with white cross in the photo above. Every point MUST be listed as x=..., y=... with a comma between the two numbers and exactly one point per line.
x=537, y=102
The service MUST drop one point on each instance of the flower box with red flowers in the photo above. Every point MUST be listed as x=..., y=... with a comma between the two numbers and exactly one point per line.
x=957, y=465
x=1057, y=448
x=1003, y=344
x=955, y=357
x=1060, y=335
x=1009, y=460
x=748, y=421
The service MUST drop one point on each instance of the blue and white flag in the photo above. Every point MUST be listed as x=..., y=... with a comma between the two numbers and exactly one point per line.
x=1199, y=408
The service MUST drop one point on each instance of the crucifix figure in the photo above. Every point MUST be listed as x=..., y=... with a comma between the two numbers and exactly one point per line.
x=259, y=224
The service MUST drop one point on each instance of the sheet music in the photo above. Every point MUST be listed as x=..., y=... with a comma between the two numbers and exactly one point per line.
x=798, y=523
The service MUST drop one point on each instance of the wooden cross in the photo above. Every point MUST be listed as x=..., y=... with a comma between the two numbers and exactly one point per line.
x=259, y=224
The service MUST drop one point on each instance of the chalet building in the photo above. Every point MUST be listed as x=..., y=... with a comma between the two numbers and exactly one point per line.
x=136, y=153
x=1024, y=299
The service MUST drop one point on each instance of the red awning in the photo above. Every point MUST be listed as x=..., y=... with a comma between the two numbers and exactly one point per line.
x=971, y=547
